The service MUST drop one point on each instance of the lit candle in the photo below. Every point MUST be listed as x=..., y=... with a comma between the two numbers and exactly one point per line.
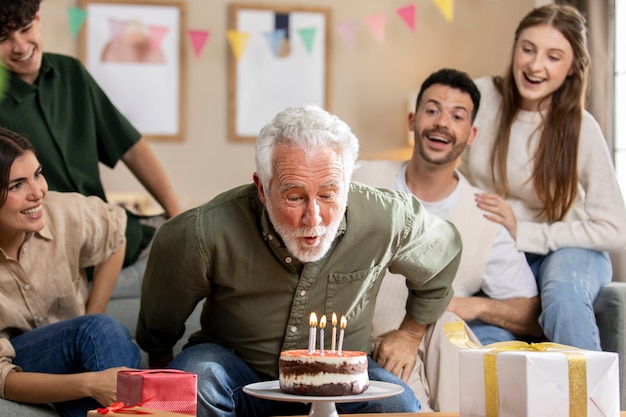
x=322, y=327
x=334, y=335
x=312, y=330
x=342, y=325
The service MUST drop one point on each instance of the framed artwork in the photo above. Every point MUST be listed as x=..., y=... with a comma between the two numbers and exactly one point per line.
x=135, y=52
x=279, y=57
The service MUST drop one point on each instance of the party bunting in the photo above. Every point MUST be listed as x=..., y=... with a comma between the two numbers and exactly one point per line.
x=407, y=13
x=446, y=7
x=347, y=31
x=308, y=35
x=117, y=27
x=376, y=24
x=76, y=19
x=198, y=38
x=275, y=39
x=156, y=34
x=238, y=42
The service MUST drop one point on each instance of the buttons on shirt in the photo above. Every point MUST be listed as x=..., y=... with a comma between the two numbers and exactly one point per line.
x=27, y=287
x=40, y=319
x=293, y=329
x=270, y=237
x=302, y=293
x=288, y=259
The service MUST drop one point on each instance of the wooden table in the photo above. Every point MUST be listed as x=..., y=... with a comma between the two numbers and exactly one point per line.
x=622, y=414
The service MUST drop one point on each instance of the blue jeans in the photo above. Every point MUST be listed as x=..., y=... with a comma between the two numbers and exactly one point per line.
x=569, y=279
x=222, y=376
x=81, y=344
x=488, y=333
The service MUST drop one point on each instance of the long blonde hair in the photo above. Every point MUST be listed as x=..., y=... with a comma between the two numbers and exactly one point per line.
x=555, y=173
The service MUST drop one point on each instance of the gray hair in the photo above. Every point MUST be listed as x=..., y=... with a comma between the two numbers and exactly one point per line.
x=306, y=127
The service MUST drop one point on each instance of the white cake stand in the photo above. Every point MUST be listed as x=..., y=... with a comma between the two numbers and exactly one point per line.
x=322, y=406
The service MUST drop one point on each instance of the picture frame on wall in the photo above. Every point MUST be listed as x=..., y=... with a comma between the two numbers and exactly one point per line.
x=284, y=60
x=135, y=51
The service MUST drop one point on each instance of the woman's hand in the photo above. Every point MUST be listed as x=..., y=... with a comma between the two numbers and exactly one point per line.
x=103, y=385
x=498, y=210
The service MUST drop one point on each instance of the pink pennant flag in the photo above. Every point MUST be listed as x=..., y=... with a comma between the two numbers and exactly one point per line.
x=376, y=24
x=156, y=34
x=198, y=38
x=407, y=13
x=346, y=31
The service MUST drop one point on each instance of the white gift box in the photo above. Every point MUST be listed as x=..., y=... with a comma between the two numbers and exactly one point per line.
x=537, y=383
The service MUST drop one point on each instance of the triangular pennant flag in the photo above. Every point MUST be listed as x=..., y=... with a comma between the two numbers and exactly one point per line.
x=407, y=13
x=76, y=17
x=275, y=39
x=198, y=38
x=117, y=26
x=446, y=7
x=376, y=24
x=308, y=36
x=238, y=41
x=346, y=31
x=156, y=35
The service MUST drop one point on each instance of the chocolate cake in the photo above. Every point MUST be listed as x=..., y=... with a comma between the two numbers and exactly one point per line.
x=331, y=374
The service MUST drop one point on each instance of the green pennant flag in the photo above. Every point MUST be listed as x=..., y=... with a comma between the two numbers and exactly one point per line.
x=76, y=17
x=307, y=36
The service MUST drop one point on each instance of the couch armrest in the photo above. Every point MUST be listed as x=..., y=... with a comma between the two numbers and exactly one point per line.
x=610, y=309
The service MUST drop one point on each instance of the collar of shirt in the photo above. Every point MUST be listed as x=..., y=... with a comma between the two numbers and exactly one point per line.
x=19, y=90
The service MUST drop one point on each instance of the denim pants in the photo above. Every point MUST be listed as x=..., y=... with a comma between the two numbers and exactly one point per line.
x=488, y=333
x=82, y=344
x=569, y=279
x=222, y=376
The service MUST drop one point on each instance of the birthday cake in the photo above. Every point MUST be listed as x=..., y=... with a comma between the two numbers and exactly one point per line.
x=328, y=374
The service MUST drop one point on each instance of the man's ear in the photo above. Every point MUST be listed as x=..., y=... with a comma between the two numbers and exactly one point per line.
x=259, y=187
x=411, y=121
x=472, y=135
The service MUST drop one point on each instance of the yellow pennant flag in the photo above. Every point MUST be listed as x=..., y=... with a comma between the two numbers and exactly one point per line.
x=238, y=42
x=446, y=7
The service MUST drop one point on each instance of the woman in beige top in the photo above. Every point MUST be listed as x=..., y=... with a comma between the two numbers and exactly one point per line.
x=54, y=346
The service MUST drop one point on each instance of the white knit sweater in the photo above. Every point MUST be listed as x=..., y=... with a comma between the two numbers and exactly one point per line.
x=597, y=219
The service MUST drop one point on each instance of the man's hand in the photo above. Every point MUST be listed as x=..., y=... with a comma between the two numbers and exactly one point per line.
x=467, y=308
x=397, y=353
x=397, y=350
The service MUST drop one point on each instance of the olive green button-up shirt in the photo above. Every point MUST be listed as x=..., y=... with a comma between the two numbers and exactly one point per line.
x=258, y=297
x=74, y=127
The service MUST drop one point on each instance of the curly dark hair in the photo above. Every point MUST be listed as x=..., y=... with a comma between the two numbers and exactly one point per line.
x=15, y=14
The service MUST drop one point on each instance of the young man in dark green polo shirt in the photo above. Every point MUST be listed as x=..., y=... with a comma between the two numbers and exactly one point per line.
x=53, y=101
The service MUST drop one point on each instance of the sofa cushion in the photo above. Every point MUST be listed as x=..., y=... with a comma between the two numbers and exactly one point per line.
x=610, y=315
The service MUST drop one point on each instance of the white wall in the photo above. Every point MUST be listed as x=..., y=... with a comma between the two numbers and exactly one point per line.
x=369, y=83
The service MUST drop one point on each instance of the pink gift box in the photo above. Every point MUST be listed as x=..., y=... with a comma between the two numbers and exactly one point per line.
x=159, y=389
x=132, y=411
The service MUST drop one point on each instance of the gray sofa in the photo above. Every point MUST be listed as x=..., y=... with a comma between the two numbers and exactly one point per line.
x=610, y=307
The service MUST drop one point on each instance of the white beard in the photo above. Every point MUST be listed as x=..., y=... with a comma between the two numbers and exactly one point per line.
x=291, y=238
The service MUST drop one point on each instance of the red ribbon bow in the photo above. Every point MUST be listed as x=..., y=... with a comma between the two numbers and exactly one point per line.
x=121, y=409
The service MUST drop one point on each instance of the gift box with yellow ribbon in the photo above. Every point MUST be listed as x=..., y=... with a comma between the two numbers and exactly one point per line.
x=518, y=379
